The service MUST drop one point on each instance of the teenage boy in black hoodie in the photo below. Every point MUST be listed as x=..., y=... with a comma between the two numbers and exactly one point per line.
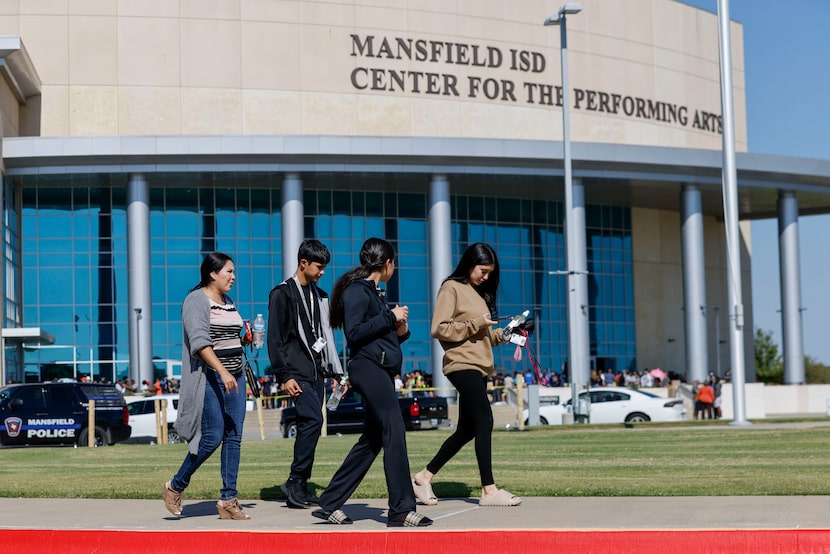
x=302, y=353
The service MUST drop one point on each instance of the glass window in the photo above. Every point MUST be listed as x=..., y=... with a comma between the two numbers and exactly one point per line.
x=75, y=253
x=33, y=398
x=62, y=397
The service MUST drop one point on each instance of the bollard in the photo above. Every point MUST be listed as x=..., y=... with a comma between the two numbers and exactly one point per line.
x=91, y=424
x=260, y=416
x=533, y=405
x=157, y=411
x=163, y=418
x=520, y=402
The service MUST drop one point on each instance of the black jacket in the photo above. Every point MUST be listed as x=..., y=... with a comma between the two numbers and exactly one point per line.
x=369, y=326
x=289, y=334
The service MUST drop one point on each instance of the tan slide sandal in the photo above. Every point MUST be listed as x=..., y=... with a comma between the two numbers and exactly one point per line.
x=501, y=498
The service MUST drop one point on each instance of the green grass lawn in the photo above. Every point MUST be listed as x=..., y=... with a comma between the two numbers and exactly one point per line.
x=711, y=460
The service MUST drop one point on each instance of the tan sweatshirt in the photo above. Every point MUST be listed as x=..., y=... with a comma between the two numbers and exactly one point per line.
x=458, y=324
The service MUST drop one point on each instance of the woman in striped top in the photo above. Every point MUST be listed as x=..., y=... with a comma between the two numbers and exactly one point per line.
x=212, y=395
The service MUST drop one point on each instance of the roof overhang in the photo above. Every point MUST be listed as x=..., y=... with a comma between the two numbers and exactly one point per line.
x=34, y=335
x=17, y=69
x=645, y=176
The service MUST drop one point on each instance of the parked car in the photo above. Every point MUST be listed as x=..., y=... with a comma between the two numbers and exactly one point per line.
x=143, y=417
x=58, y=413
x=549, y=414
x=423, y=412
x=618, y=405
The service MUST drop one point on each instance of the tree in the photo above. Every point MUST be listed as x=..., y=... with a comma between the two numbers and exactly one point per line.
x=769, y=368
x=815, y=371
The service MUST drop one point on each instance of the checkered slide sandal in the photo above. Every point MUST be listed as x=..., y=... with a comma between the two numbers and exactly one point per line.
x=337, y=517
x=412, y=519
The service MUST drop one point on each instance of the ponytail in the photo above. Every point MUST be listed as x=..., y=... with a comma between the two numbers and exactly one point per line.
x=374, y=254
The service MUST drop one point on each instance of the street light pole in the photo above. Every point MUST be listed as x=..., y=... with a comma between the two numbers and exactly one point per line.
x=576, y=271
x=730, y=221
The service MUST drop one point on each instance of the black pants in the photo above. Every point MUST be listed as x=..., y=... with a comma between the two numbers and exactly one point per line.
x=384, y=428
x=475, y=421
x=309, y=425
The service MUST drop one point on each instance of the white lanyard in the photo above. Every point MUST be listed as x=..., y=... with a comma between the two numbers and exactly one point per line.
x=308, y=304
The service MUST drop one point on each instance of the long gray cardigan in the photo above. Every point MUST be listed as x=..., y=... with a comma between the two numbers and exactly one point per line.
x=195, y=336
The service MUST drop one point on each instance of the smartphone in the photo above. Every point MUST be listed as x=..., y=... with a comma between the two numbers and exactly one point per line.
x=247, y=333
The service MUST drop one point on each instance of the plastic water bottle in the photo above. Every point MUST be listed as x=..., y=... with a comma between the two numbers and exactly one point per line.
x=517, y=320
x=336, y=396
x=259, y=332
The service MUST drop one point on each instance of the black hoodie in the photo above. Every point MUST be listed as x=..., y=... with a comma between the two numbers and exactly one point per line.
x=370, y=326
x=289, y=334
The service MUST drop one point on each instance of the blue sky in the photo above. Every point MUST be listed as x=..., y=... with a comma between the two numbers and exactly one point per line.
x=787, y=63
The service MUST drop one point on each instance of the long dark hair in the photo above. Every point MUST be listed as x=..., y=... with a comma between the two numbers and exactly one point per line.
x=479, y=253
x=374, y=254
x=214, y=261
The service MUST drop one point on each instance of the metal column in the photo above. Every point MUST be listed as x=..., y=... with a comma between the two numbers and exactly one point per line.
x=292, y=222
x=790, y=269
x=440, y=254
x=579, y=346
x=138, y=279
x=731, y=223
x=694, y=283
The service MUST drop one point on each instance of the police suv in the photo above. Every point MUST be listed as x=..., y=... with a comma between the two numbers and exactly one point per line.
x=58, y=413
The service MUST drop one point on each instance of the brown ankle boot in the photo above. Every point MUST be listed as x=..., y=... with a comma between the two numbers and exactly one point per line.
x=230, y=509
x=172, y=500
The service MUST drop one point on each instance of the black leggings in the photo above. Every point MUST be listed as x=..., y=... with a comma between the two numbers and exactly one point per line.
x=475, y=421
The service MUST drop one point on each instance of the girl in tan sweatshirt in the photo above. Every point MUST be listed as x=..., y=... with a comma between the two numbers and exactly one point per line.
x=462, y=322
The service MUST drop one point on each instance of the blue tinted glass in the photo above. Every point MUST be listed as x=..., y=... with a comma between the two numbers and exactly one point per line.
x=412, y=230
x=412, y=206
x=323, y=228
x=230, y=212
x=374, y=228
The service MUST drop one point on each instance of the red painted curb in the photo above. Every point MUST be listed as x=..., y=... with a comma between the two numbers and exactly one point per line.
x=32, y=541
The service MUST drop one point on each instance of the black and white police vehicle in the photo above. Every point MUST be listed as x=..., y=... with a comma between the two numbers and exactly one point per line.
x=58, y=413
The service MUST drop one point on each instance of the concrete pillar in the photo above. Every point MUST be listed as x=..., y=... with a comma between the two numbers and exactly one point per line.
x=694, y=283
x=790, y=268
x=138, y=279
x=292, y=222
x=440, y=256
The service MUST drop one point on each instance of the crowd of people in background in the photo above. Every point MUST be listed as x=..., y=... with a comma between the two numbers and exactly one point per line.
x=419, y=383
x=161, y=385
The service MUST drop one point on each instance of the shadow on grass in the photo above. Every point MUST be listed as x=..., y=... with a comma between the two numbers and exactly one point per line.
x=271, y=493
x=275, y=493
x=453, y=489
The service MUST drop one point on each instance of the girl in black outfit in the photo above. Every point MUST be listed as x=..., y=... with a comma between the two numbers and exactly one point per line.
x=374, y=333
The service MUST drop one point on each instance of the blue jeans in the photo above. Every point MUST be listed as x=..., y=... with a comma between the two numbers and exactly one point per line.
x=222, y=418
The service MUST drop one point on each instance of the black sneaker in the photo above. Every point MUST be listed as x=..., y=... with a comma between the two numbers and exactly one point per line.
x=295, y=493
x=310, y=497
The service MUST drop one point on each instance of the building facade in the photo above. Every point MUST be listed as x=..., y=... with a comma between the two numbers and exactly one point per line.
x=139, y=136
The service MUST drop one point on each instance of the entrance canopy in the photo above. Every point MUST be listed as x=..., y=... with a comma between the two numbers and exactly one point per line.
x=18, y=336
x=27, y=334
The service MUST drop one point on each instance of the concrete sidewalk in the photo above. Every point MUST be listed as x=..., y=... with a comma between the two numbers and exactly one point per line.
x=541, y=513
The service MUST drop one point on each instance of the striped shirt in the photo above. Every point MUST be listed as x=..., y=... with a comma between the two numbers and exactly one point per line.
x=225, y=326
